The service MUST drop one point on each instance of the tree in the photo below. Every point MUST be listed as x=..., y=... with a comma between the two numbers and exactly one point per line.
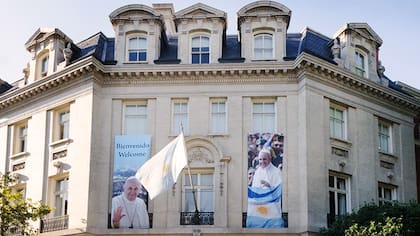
x=16, y=212
x=393, y=226
x=405, y=216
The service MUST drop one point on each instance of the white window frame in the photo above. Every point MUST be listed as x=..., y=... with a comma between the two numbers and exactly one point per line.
x=261, y=127
x=200, y=47
x=385, y=136
x=199, y=188
x=20, y=137
x=61, y=128
x=180, y=115
x=139, y=49
x=361, y=67
x=140, y=117
x=61, y=194
x=218, y=116
x=336, y=121
x=265, y=47
x=336, y=190
x=382, y=188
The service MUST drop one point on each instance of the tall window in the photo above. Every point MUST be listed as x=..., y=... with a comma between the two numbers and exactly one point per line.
x=61, y=197
x=200, y=50
x=64, y=122
x=23, y=137
x=385, y=136
x=338, y=126
x=218, y=116
x=135, y=118
x=180, y=116
x=204, y=197
x=263, y=115
x=338, y=194
x=20, y=137
x=386, y=193
x=359, y=62
x=137, y=49
x=44, y=66
x=263, y=46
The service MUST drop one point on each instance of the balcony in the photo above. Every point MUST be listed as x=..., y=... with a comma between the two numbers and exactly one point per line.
x=197, y=218
x=54, y=223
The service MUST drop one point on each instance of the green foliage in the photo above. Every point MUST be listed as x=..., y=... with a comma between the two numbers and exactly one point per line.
x=408, y=213
x=16, y=212
x=392, y=227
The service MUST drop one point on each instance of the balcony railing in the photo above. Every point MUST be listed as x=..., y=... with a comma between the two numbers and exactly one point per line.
x=197, y=218
x=54, y=223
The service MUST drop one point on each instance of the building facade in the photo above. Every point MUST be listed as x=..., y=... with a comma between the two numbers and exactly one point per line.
x=348, y=130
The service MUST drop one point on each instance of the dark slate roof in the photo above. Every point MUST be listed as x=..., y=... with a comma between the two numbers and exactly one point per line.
x=169, y=52
x=231, y=51
x=4, y=86
x=315, y=44
x=99, y=46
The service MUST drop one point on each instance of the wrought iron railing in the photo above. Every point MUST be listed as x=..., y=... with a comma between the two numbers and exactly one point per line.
x=54, y=223
x=197, y=218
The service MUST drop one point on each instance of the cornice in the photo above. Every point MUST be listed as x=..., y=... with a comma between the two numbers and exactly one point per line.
x=223, y=74
x=330, y=73
x=72, y=72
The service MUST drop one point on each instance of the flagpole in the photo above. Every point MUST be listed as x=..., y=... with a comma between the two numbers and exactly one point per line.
x=196, y=218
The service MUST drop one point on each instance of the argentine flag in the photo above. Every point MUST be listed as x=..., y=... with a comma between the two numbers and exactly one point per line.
x=264, y=208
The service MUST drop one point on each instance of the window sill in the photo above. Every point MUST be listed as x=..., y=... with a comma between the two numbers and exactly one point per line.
x=60, y=145
x=218, y=134
x=19, y=155
x=263, y=60
x=386, y=156
x=135, y=62
x=340, y=143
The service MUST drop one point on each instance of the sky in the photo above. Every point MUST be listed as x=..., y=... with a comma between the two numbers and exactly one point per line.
x=396, y=22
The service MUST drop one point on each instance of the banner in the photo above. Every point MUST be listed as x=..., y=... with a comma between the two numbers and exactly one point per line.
x=265, y=165
x=129, y=198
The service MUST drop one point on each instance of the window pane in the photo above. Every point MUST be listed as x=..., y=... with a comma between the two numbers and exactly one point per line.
x=142, y=43
x=187, y=179
x=189, y=205
x=205, y=58
x=342, y=208
x=205, y=42
x=195, y=59
x=332, y=203
x=206, y=179
x=341, y=183
x=206, y=200
x=195, y=43
x=132, y=43
x=331, y=181
x=387, y=194
x=132, y=56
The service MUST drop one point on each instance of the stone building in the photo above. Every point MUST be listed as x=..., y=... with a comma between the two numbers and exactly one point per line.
x=348, y=129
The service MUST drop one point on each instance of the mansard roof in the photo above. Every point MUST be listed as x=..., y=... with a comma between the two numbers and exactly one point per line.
x=264, y=8
x=4, y=86
x=363, y=29
x=43, y=33
x=99, y=46
x=134, y=12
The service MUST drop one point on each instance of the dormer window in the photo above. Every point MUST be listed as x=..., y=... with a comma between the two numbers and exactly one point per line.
x=137, y=49
x=44, y=66
x=263, y=47
x=200, y=50
x=360, y=64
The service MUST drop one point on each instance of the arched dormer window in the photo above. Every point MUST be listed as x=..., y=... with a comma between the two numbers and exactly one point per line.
x=263, y=46
x=137, y=49
x=200, y=50
x=360, y=63
x=44, y=66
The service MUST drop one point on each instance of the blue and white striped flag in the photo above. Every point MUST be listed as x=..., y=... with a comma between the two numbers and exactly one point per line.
x=264, y=208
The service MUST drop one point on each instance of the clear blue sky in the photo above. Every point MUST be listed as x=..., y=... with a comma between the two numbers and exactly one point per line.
x=396, y=22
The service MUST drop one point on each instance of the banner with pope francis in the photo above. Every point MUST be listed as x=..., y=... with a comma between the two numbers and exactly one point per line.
x=265, y=164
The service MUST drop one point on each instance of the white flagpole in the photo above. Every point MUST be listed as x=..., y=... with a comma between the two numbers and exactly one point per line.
x=196, y=218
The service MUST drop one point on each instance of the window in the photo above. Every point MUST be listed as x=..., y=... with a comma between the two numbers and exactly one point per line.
x=204, y=195
x=218, y=116
x=386, y=193
x=135, y=118
x=21, y=137
x=180, y=116
x=61, y=197
x=339, y=194
x=44, y=66
x=137, y=49
x=263, y=115
x=200, y=50
x=64, y=121
x=338, y=124
x=360, y=64
x=385, y=136
x=263, y=46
